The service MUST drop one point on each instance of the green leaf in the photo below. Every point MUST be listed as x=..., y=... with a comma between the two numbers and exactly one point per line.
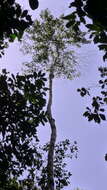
x=70, y=23
x=69, y=17
x=105, y=100
x=13, y=36
x=93, y=27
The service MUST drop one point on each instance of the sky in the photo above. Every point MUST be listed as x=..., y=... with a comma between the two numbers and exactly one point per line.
x=89, y=170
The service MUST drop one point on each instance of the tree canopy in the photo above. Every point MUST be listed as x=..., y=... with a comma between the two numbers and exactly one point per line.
x=21, y=111
x=22, y=101
x=49, y=43
x=13, y=21
x=96, y=12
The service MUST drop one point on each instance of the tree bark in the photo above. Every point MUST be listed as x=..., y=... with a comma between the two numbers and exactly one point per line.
x=50, y=170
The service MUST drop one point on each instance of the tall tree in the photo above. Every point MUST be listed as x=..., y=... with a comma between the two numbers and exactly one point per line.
x=48, y=41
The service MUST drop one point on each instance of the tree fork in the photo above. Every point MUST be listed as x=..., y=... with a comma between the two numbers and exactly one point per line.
x=50, y=170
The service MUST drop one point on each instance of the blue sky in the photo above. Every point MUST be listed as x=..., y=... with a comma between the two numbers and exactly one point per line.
x=89, y=170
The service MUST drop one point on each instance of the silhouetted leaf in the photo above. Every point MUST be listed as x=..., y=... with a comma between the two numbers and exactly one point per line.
x=105, y=157
x=86, y=114
x=102, y=110
x=96, y=118
x=33, y=4
x=91, y=117
x=102, y=116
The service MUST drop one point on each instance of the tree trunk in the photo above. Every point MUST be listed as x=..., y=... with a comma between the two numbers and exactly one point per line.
x=50, y=170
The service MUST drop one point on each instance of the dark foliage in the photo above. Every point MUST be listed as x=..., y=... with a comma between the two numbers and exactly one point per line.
x=33, y=4
x=64, y=152
x=97, y=12
x=105, y=157
x=13, y=21
x=37, y=177
x=97, y=112
x=83, y=92
x=21, y=111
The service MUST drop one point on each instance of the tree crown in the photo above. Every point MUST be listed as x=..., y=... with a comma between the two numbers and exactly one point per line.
x=49, y=42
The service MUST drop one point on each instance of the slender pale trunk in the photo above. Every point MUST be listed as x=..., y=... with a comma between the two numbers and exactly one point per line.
x=50, y=170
